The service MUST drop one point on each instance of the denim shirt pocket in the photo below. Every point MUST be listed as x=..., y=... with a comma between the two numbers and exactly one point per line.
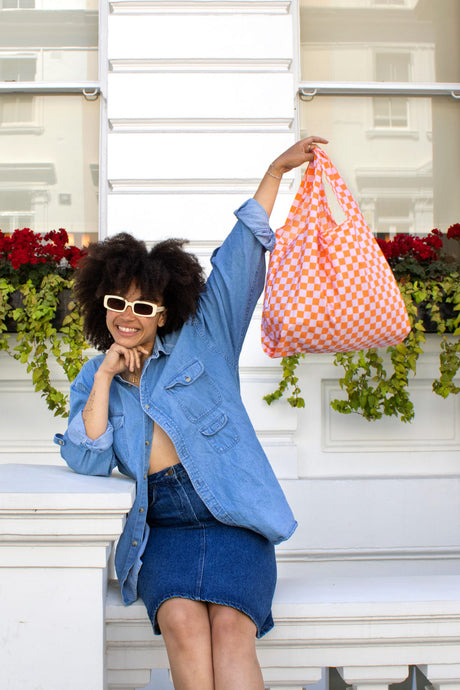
x=195, y=391
x=220, y=433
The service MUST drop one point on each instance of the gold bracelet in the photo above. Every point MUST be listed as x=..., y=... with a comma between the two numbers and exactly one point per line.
x=271, y=174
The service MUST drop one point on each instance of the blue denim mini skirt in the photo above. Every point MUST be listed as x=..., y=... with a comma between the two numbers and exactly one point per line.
x=190, y=554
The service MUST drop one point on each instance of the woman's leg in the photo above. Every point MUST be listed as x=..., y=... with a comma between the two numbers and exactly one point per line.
x=186, y=631
x=235, y=662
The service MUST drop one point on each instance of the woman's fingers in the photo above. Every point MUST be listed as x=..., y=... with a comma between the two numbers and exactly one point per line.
x=301, y=152
x=118, y=358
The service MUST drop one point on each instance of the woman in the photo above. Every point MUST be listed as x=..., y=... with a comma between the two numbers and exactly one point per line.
x=163, y=405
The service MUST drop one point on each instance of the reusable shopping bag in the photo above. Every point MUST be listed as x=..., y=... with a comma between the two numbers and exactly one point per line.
x=329, y=288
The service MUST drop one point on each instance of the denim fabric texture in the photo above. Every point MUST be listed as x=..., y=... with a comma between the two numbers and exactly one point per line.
x=190, y=387
x=190, y=554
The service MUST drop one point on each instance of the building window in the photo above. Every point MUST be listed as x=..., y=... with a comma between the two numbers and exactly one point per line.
x=398, y=153
x=17, y=4
x=391, y=112
x=387, y=3
x=17, y=67
x=17, y=110
x=49, y=141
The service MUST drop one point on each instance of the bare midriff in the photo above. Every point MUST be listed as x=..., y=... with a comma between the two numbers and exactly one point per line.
x=163, y=453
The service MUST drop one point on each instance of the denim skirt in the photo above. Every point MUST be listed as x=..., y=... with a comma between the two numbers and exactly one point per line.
x=191, y=555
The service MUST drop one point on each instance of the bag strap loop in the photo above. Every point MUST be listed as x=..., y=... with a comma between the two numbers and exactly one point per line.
x=311, y=200
x=323, y=166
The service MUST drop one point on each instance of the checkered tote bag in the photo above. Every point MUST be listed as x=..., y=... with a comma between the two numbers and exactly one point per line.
x=329, y=288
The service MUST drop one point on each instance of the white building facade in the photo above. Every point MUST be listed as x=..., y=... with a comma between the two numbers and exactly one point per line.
x=159, y=118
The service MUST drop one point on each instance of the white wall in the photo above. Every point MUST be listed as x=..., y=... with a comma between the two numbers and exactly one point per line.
x=201, y=97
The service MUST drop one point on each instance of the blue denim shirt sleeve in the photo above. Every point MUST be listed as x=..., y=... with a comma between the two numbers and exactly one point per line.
x=76, y=433
x=254, y=216
x=82, y=454
x=237, y=280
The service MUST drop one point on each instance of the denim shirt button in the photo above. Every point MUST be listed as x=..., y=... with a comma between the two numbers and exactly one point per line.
x=145, y=476
x=134, y=543
x=187, y=379
x=141, y=510
x=147, y=443
x=147, y=407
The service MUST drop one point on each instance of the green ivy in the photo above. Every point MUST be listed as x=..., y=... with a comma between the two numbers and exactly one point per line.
x=289, y=380
x=5, y=290
x=377, y=385
x=37, y=337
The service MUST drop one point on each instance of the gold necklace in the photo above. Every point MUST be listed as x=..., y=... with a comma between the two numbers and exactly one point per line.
x=131, y=378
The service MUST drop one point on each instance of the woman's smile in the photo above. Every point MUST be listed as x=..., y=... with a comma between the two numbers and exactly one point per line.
x=127, y=329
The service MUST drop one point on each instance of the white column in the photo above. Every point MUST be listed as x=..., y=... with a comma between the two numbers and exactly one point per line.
x=285, y=687
x=444, y=676
x=56, y=533
x=284, y=676
x=373, y=677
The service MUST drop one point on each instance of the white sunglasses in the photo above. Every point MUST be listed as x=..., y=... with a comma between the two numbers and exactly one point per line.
x=139, y=307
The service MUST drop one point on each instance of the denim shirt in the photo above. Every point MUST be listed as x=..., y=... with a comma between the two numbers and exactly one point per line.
x=190, y=387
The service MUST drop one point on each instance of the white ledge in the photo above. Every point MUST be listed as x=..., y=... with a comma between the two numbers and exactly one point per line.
x=38, y=488
x=57, y=529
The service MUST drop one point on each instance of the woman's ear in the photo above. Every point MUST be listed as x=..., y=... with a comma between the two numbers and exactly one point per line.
x=163, y=318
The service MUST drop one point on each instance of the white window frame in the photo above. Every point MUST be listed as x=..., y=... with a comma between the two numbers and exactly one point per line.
x=88, y=89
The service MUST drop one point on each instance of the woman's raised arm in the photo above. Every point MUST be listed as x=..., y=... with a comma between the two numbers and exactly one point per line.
x=301, y=152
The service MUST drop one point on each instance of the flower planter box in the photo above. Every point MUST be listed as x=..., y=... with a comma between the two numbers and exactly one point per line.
x=16, y=301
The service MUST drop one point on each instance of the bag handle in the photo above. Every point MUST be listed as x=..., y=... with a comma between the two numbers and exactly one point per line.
x=323, y=165
x=300, y=210
x=310, y=203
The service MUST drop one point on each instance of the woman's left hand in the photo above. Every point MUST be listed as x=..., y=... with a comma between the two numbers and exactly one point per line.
x=302, y=152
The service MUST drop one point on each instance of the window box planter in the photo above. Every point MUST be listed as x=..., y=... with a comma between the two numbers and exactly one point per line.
x=429, y=281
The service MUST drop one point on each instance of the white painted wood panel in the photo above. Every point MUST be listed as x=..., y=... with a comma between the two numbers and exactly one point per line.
x=170, y=36
x=203, y=216
x=374, y=518
x=195, y=156
x=205, y=100
x=207, y=7
x=336, y=445
x=27, y=426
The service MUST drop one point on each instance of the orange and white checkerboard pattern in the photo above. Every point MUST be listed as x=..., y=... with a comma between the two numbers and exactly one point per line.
x=329, y=288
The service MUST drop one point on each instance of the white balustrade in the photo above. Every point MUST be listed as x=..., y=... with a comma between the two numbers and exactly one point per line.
x=57, y=529
x=371, y=628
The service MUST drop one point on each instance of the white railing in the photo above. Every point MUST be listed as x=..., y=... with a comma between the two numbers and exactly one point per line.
x=61, y=626
x=371, y=628
x=57, y=530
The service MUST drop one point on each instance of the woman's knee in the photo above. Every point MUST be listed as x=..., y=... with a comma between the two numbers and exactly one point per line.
x=184, y=620
x=231, y=627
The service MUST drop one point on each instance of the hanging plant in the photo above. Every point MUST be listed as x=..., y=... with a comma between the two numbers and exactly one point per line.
x=377, y=385
x=37, y=270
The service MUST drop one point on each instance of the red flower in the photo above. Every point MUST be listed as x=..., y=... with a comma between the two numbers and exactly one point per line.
x=453, y=233
x=434, y=239
x=32, y=255
x=73, y=255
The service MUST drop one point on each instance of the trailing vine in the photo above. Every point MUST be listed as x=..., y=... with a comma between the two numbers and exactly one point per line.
x=38, y=337
x=289, y=380
x=6, y=288
x=372, y=388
